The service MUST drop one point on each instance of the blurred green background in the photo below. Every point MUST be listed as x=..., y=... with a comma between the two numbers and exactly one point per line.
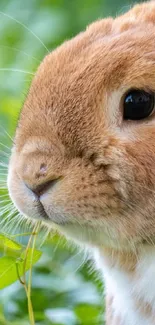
x=66, y=290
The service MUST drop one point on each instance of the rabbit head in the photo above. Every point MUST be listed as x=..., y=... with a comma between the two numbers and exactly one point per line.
x=84, y=154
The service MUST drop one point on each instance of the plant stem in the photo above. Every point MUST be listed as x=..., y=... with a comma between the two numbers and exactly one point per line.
x=23, y=282
x=35, y=231
x=30, y=307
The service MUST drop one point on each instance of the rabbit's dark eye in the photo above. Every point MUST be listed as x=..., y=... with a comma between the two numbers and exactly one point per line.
x=138, y=104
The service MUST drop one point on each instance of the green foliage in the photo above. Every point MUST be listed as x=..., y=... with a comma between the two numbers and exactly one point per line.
x=16, y=261
x=63, y=293
x=12, y=265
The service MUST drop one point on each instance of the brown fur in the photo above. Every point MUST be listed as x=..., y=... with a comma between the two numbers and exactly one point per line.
x=70, y=130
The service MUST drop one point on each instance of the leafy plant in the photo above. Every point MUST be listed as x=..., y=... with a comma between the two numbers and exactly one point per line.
x=16, y=261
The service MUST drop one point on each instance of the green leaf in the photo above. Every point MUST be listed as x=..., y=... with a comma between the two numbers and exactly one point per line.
x=2, y=318
x=87, y=313
x=10, y=247
x=9, y=265
x=7, y=242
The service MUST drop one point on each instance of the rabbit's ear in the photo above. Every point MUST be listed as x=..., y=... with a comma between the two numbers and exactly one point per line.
x=134, y=18
x=100, y=28
x=143, y=12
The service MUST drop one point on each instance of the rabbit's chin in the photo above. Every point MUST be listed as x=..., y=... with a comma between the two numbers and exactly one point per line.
x=89, y=236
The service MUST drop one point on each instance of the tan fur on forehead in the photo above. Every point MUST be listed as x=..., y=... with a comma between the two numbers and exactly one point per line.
x=98, y=48
x=73, y=82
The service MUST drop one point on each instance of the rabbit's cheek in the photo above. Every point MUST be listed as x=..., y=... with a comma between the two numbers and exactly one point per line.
x=86, y=205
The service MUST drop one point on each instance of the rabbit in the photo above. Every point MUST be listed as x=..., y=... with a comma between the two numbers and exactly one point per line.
x=83, y=159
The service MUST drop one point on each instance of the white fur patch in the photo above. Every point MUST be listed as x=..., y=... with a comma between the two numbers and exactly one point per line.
x=126, y=289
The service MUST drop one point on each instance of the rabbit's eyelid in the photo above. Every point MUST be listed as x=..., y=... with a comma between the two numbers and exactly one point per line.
x=114, y=107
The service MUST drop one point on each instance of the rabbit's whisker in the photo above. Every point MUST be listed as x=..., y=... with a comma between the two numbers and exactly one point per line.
x=6, y=209
x=26, y=28
x=2, y=144
x=4, y=195
x=8, y=135
x=4, y=153
x=19, y=51
x=17, y=70
x=2, y=164
x=4, y=201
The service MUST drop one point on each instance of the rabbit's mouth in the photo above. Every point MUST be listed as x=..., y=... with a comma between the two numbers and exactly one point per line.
x=62, y=216
x=81, y=225
x=95, y=214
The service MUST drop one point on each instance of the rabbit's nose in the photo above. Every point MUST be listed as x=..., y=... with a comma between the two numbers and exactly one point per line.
x=43, y=187
x=37, y=175
x=37, y=179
